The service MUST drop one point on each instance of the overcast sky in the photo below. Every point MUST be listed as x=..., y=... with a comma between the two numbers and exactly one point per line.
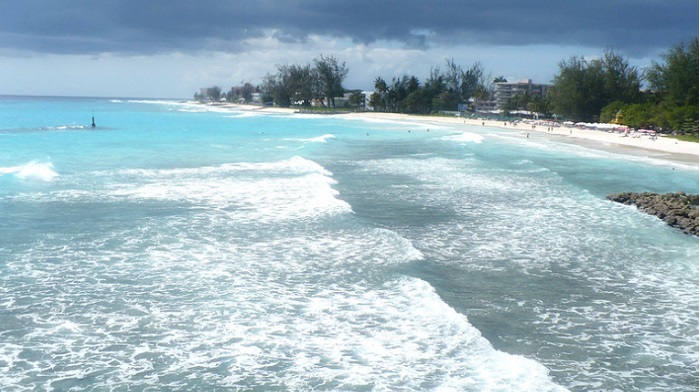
x=170, y=48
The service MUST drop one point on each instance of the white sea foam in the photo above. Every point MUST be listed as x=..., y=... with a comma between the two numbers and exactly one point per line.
x=257, y=276
x=315, y=310
x=289, y=189
x=623, y=154
x=246, y=114
x=192, y=110
x=181, y=106
x=465, y=137
x=294, y=165
x=65, y=127
x=398, y=124
x=161, y=102
x=404, y=329
x=532, y=234
x=37, y=171
x=286, y=190
x=319, y=139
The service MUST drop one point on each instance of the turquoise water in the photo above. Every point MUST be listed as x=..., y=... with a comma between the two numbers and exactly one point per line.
x=177, y=247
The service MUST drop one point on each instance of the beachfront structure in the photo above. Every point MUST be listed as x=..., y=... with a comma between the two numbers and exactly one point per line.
x=481, y=105
x=503, y=91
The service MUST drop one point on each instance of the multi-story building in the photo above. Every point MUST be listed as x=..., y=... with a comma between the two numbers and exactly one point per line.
x=503, y=91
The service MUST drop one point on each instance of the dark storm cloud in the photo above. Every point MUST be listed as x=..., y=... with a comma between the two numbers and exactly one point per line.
x=145, y=27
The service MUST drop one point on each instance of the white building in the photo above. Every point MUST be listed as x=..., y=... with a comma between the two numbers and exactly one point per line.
x=503, y=91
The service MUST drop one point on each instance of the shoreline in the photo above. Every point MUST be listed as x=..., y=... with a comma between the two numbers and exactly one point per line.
x=661, y=147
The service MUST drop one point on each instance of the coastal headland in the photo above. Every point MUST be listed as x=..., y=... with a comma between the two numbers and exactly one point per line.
x=641, y=144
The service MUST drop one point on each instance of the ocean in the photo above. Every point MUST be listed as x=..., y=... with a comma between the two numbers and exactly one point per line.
x=183, y=247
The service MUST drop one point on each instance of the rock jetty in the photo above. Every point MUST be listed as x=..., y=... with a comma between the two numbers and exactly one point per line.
x=678, y=210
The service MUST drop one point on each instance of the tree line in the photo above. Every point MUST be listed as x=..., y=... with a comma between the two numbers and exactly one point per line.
x=600, y=90
x=293, y=84
x=608, y=90
x=442, y=90
x=321, y=82
x=242, y=93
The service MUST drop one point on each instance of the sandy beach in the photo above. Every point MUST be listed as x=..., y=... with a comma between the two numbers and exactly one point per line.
x=661, y=147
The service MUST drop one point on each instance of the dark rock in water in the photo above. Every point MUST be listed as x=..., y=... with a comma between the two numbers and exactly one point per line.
x=678, y=210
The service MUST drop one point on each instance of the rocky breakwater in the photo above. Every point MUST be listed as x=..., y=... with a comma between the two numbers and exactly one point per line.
x=678, y=210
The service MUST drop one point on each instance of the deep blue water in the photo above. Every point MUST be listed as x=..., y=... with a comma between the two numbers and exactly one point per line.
x=180, y=247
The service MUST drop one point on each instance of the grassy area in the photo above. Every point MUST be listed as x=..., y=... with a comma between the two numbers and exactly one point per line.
x=685, y=138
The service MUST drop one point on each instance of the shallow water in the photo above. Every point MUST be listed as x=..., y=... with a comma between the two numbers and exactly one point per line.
x=180, y=247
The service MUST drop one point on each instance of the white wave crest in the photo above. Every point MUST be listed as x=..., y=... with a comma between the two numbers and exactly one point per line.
x=406, y=328
x=158, y=102
x=32, y=171
x=466, y=137
x=322, y=139
x=244, y=114
x=319, y=139
x=66, y=127
x=266, y=191
x=293, y=165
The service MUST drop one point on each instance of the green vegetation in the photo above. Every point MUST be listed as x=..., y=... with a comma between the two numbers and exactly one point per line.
x=600, y=90
x=242, y=94
x=304, y=84
x=671, y=104
x=688, y=137
x=582, y=89
x=208, y=94
x=674, y=86
x=441, y=90
x=532, y=103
